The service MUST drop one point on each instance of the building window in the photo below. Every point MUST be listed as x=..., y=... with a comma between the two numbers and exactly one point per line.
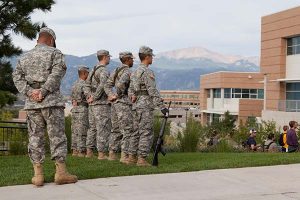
x=227, y=93
x=217, y=93
x=216, y=117
x=293, y=45
x=208, y=93
x=293, y=91
x=260, y=94
x=239, y=93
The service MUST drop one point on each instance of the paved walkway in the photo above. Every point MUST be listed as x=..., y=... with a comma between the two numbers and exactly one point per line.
x=259, y=183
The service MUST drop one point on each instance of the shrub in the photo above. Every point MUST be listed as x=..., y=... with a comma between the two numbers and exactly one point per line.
x=221, y=147
x=189, y=139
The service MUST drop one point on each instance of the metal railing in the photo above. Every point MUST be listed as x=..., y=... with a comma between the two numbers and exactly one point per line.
x=289, y=105
x=12, y=135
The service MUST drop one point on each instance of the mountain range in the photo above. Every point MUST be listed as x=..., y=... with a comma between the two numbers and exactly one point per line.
x=175, y=70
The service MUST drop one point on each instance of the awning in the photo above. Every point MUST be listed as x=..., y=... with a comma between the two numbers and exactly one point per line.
x=220, y=112
x=287, y=80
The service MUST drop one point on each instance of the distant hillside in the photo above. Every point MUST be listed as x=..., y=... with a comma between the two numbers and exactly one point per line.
x=175, y=70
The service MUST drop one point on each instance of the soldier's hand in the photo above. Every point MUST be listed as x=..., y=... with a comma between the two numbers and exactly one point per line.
x=112, y=97
x=36, y=95
x=165, y=111
x=133, y=99
x=90, y=99
x=74, y=103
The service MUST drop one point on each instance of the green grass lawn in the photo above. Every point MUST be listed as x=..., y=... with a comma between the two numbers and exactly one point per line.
x=15, y=170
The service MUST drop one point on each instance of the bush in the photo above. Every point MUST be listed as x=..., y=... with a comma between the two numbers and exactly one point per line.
x=189, y=139
x=222, y=147
x=156, y=129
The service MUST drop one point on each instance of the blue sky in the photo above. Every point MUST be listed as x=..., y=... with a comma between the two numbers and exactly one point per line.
x=224, y=26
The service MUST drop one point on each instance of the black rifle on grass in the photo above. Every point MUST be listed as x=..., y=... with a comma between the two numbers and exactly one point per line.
x=160, y=139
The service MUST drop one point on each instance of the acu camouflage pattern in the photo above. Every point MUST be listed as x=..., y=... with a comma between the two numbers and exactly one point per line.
x=121, y=116
x=143, y=86
x=99, y=109
x=42, y=67
x=80, y=121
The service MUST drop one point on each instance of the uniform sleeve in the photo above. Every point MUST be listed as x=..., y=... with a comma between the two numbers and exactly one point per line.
x=87, y=86
x=123, y=81
x=103, y=76
x=57, y=73
x=149, y=79
x=109, y=84
x=73, y=96
x=131, y=91
x=20, y=82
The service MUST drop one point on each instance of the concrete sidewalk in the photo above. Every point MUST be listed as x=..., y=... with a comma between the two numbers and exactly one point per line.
x=259, y=183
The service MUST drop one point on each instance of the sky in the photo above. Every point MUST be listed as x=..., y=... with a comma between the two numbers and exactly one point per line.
x=225, y=26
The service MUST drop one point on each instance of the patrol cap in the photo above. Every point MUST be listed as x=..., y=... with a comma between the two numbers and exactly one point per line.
x=103, y=53
x=125, y=54
x=252, y=131
x=83, y=68
x=49, y=31
x=146, y=50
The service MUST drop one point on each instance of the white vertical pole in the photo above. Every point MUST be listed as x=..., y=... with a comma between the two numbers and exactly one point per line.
x=265, y=91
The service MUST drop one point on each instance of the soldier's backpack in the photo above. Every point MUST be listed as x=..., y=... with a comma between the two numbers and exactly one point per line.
x=93, y=73
x=118, y=70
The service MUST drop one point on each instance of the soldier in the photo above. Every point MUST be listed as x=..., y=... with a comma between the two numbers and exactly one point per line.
x=79, y=111
x=144, y=95
x=38, y=76
x=99, y=107
x=121, y=116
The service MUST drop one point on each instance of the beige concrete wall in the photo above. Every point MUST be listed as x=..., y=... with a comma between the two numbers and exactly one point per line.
x=281, y=118
x=275, y=29
x=250, y=107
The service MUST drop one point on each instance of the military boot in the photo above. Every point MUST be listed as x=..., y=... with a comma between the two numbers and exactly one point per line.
x=38, y=179
x=112, y=156
x=102, y=156
x=123, y=158
x=81, y=154
x=131, y=160
x=142, y=162
x=62, y=176
x=74, y=152
x=89, y=153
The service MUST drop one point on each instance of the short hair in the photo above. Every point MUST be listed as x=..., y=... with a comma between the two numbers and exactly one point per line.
x=124, y=59
x=100, y=57
x=45, y=34
x=142, y=56
x=292, y=123
x=271, y=136
x=285, y=127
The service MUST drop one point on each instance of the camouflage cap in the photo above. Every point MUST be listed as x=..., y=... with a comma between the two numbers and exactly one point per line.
x=146, y=50
x=103, y=53
x=82, y=68
x=125, y=54
x=49, y=31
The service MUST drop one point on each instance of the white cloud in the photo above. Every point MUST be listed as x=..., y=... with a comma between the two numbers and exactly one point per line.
x=231, y=26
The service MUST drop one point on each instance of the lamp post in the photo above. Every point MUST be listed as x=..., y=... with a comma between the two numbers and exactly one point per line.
x=186, y=112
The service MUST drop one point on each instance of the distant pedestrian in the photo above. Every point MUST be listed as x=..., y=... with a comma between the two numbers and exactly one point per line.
x=270, y=144
x=251, y=142
x=292, y=139
x=283, y=139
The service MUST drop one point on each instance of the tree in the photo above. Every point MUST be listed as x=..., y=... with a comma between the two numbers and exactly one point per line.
x=15, y=17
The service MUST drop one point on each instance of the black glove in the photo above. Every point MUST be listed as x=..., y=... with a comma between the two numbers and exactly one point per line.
x=164, y=111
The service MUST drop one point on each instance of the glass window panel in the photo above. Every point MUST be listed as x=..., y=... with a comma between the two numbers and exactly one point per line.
x=297, y=50
x=237, y=90
x=260, y=93
x=289, y=42
x=289, y=51
x=245, y=90
x=293, y=87
x=253, y=96
x=245, y=96
x=237, y=96
x=217, y=93
x=253, y=91
x=293, y=95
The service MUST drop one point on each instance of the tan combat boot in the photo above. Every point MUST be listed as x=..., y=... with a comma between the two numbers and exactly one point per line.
x=74, y=152
x=89, y=153
x=123, y=158
x=81, y=154
x=142, y=162
x=131, y=160
x=112, y=156
x=102, y=156
x=62, y=176
x=38, y=179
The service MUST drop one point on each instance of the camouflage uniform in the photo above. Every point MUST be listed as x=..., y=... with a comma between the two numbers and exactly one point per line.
x=143, y=86
x=80, y=121
x=99, y=109
x=121, y=116
x=43, y=68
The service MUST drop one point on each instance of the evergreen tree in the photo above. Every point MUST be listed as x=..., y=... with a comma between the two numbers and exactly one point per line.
x=15, y=17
